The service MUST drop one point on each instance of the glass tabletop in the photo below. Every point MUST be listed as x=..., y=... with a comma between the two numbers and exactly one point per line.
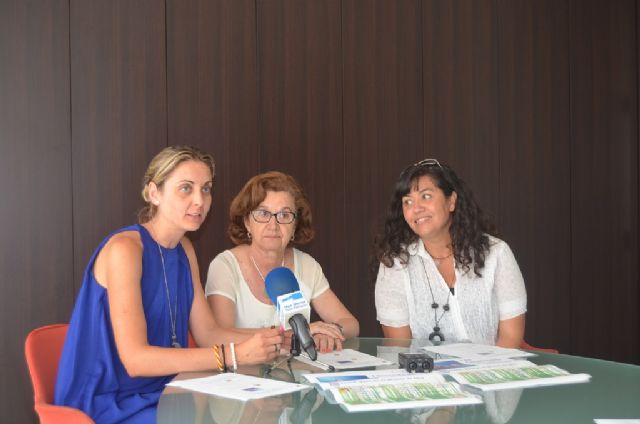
x=613, y=392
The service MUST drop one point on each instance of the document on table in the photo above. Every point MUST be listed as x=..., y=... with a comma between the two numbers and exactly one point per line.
x=446, y=366
x=516, y=377
x=476, y=351
x=344, y=359
x=238, y=386
x=418, y=391
x=327, y=380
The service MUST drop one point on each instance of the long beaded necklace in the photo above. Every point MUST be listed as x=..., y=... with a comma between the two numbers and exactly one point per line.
x=436, y=334
x=172, y=315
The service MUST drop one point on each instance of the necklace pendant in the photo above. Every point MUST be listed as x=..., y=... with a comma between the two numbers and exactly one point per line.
x=174, y=342
x=436, y=337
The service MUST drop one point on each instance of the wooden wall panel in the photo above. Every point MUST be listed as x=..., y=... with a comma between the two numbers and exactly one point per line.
x=535, y=103
x=36, y=257
x=535, y=159
x=118, y=105
x=604, y=189
x=460, y=41
x=300, y=117
x=212, y=100
x=383, y=130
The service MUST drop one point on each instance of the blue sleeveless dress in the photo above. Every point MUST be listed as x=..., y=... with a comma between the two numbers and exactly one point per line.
x=91, y=376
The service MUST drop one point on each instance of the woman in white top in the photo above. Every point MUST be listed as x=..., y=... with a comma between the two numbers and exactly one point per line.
x=270, y=214
x=442, y=275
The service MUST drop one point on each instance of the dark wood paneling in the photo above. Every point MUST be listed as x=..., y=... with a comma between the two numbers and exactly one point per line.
x=300, y=117
x=535, y=159
x=119, y=113
x=383, y=130
x=460, y=86
x=36, y=258
x=211, y=81
x=604, y=189
x=534, y=103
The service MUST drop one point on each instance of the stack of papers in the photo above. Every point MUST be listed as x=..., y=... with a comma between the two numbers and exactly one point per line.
x=390, y=389
x=517, y=376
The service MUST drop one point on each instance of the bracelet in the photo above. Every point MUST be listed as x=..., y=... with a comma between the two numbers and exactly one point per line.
x=233, y=356
x=224, y=358
x=216, y=352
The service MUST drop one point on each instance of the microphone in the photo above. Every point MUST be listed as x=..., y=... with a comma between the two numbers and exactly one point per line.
x=293, y=309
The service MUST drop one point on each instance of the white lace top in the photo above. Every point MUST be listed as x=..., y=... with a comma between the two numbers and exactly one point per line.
x=225, y=278
x=403, y=296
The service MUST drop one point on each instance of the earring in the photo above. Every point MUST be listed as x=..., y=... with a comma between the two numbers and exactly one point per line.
x=248, y=235
x=156, y=202
x=293, y=236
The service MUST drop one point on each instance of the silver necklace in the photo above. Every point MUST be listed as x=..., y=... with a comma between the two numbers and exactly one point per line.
x=172, y=316
x=436, y=334
x=258, y=269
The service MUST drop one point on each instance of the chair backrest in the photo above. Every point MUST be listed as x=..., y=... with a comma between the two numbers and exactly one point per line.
x=192, y=341
x=42, y=349
x=527, y=346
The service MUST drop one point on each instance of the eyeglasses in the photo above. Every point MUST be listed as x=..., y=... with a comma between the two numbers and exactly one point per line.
x=428, y=162
x=263, y=216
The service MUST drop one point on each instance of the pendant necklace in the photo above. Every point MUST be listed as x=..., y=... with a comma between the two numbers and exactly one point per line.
x=258, y=269
x=172, y=316
x=436, y=336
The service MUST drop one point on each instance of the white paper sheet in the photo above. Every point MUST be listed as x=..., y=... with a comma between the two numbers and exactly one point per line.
x=344, y=359
x=476, y=351
x=238, y=386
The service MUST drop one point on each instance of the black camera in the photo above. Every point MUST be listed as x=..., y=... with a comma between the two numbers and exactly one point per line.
x=415, y=362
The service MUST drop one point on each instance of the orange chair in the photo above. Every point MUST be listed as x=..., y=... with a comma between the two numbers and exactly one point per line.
x=527, y=346
x=42, y=349
x=192, y=341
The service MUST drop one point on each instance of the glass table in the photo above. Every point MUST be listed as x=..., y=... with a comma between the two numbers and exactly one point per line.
x=613, y=392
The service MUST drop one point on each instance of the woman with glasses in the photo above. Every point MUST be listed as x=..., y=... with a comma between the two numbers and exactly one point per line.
x=443, y=275
x=269, y=215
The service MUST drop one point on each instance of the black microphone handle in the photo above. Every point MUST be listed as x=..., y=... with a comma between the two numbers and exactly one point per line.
x=300, y=328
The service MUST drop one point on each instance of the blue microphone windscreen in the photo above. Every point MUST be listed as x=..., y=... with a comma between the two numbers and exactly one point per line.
x=280, y=281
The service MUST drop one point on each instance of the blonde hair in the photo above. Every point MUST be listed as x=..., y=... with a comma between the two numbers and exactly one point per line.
x=161, y=167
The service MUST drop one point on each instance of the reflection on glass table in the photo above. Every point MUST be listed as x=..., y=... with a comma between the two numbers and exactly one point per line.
x=613, y=392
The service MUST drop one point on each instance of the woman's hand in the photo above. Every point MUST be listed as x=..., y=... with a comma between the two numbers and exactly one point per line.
x=327, y=343
x=327, y=336
x=285, y=345
x=326, y=328
x=262, y=347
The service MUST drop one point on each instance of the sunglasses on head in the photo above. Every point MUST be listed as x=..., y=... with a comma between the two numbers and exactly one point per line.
x=428, y=162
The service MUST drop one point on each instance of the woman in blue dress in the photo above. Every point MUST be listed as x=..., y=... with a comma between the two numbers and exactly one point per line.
x=141, y=295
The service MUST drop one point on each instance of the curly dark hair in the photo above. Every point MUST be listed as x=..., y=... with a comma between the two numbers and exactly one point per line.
x=255, y=191
x=469, y=228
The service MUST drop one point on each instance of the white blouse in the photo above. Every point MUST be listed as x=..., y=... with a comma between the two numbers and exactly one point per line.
x=225, y=278
x=404, y=295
